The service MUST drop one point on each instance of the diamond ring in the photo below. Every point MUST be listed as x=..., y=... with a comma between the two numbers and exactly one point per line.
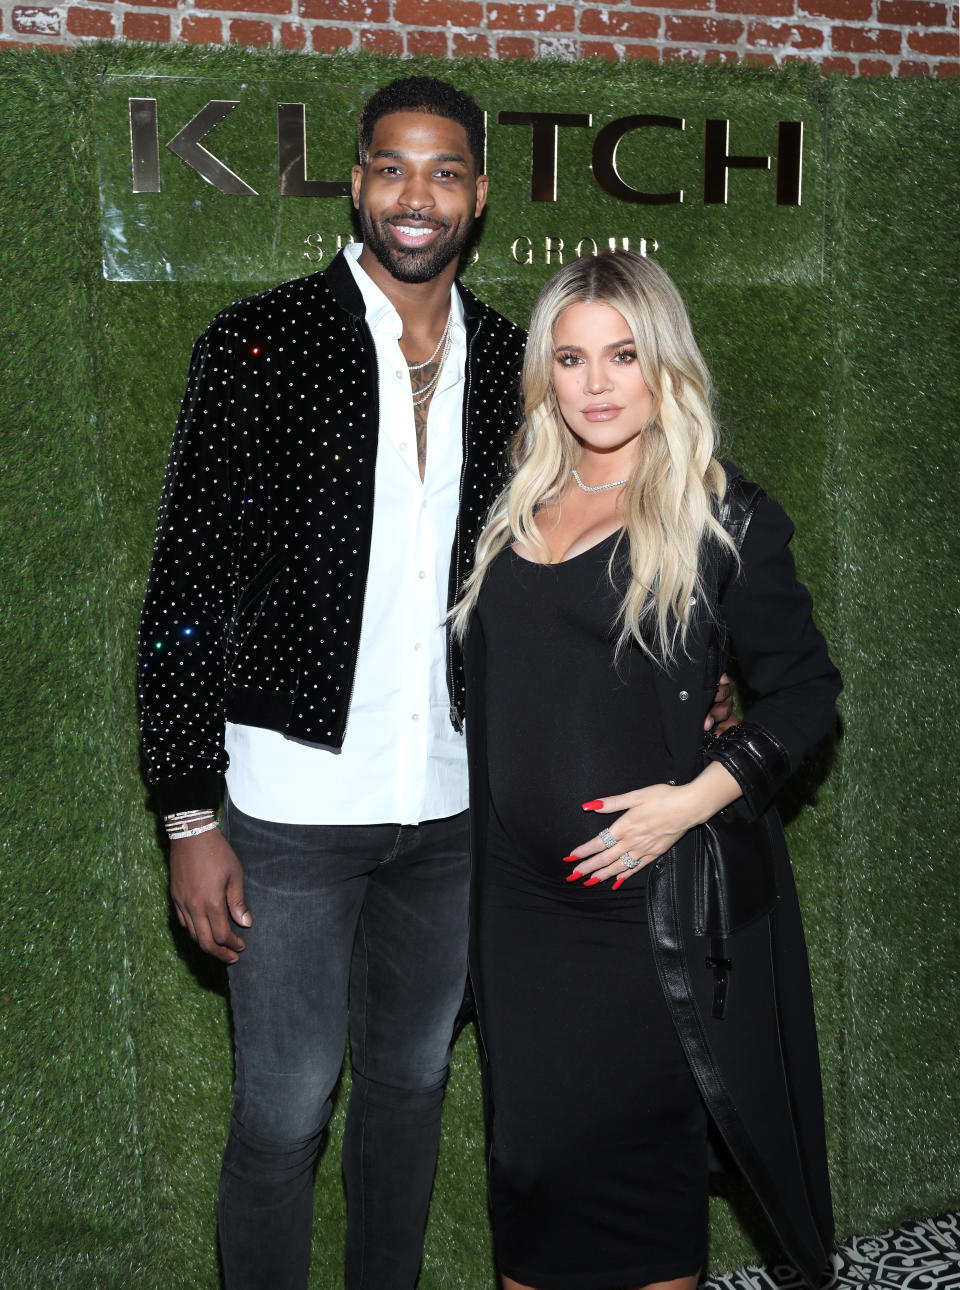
x=607, y=838
x=629, y=861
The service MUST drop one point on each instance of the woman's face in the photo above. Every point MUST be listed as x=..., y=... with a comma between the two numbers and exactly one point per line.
x=602, y=395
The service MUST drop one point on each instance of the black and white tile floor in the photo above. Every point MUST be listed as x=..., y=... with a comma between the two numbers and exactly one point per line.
x=921, y=1255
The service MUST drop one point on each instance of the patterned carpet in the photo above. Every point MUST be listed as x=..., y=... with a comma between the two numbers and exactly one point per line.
x=921, y=1255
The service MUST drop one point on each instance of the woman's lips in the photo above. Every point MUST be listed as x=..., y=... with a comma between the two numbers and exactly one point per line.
x=601, y=411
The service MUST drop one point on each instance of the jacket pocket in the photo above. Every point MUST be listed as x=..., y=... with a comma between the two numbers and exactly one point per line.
x=733, y=874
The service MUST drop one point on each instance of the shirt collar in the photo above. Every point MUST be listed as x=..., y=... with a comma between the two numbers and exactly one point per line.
x=382, y=318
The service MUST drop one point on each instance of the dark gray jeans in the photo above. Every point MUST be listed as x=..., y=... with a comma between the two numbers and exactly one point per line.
x=366, y=923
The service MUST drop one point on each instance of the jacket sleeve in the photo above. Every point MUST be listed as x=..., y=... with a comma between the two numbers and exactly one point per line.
x=767, y=615
x=191, y=591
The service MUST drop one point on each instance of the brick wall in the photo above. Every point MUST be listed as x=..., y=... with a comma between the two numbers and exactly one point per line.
x=857, y=37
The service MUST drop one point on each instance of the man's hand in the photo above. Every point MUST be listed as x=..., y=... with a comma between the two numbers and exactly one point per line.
x=206, y=881
x=720, y=717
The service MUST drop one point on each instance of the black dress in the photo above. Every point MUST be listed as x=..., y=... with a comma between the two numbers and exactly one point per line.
x=598, y=1175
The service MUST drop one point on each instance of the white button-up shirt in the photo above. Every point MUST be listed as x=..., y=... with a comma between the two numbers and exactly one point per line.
x=401, y=761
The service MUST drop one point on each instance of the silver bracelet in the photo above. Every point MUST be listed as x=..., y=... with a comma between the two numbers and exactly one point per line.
x=191, y=833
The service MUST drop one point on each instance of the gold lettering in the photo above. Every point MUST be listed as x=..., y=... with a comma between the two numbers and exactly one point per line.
x=553, y=246
x=315, y=242
x=342, y=241
x=594, y=249
x=527, y=257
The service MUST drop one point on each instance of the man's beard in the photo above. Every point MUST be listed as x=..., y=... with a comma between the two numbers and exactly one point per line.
x=414, y=265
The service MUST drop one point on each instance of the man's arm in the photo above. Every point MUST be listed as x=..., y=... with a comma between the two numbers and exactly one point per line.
x=720, y=717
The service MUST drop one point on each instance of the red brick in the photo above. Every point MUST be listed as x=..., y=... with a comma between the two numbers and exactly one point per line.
x=947, y=69
x=471, y=45
x=515, y=47
x=154, y=4
x=201, y=31
x=721, y=56
x=599, y=49
x=909, y=68
x=380, y=38
x=759, y=60
x=782, y=35
x=912, y=13
x=245, y=32
x=293, y=35
x=843, y=10
x=762, y=8
x=863, y=40
x=688, y=4
x=844, y=65
x=438, y=13
x=327, y=40
x=943, y=43
x=707, y=31
x=36, y=22
x=529, y=17
x=146, y=26
x=680, y=55
x=618, y=22
x=431, y=44
x=346, y=10
x=90, y=22
x=636, y=51
x=248, y=6
x=874, y=67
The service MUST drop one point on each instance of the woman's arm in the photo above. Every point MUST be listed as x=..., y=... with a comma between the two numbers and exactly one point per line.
x=785, y=665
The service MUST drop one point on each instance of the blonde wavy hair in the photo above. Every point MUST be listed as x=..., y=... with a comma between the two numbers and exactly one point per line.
x=673, y=493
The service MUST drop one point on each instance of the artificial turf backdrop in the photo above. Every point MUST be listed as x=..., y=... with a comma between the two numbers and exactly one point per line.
x=832, y=332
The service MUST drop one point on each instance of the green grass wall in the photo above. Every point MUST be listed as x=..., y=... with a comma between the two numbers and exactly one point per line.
x=835, y=350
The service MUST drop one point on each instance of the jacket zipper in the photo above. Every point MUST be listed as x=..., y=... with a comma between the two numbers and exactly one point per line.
x=455, y=718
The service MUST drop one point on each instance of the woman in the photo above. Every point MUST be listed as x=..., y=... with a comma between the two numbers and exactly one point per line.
x=618, y=569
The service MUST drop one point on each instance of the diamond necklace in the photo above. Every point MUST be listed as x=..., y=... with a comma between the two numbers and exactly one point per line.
x=597, y=488
x=415, y=367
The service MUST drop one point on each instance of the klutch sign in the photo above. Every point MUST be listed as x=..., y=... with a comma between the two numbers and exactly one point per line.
x=200, y=184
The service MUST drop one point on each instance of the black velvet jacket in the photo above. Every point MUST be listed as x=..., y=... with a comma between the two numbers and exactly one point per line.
x=757, y=1065
x=255, y=596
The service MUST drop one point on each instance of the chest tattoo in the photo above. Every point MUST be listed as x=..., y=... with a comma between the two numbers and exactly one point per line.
x=422, y=381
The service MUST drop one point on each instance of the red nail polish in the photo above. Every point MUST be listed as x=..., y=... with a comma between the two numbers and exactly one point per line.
x=569, y=859
x=592, y=882
x=572, y=877
x=594, y=805
x=619, y=882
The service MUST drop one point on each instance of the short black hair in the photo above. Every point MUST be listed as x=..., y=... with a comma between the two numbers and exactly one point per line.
x=423, y=94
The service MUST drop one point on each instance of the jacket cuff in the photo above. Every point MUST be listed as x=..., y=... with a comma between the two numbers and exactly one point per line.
x=755, y=758
x=188, y=792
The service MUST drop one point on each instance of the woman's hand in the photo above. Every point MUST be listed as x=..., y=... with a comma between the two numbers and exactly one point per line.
x=650, y=822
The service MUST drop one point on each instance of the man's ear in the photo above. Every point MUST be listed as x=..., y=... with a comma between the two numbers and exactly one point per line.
x=356, y=179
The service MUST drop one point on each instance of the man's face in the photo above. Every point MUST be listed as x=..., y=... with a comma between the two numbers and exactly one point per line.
x=418, y=194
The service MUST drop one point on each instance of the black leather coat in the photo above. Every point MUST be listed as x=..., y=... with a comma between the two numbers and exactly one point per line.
x=757, y=1067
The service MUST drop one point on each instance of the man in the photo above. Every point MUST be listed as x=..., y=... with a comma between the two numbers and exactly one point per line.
x=339, y=443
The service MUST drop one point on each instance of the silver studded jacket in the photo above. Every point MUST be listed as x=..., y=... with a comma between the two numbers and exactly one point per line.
x=255, y=594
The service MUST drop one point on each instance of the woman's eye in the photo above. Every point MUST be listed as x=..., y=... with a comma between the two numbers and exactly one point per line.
x=568, y=360
x=626, y=355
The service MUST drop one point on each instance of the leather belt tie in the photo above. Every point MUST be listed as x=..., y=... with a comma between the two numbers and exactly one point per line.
x=721, y=965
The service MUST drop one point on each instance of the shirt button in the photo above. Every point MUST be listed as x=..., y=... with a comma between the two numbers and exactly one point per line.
x=403, y=446
x=419, y=646
x=415, y=716
x=399, y=375
x=422, y=574
x=683, y=696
